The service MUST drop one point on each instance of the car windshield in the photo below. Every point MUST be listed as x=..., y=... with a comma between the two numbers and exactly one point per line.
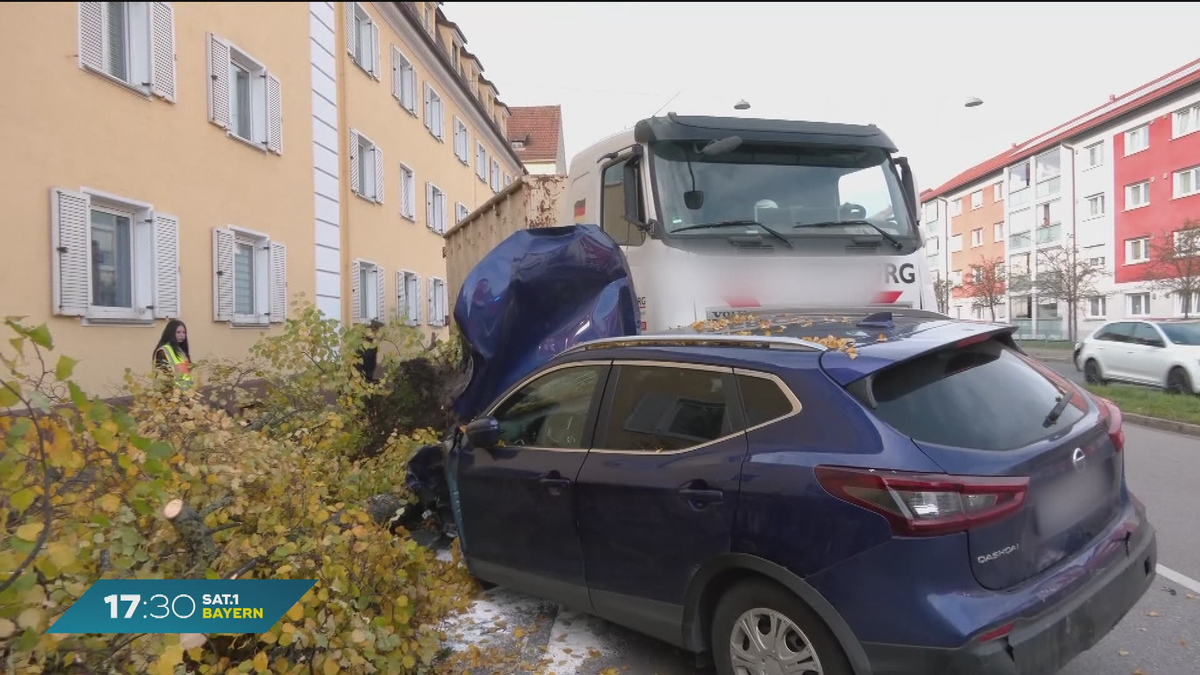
x=781, y=187
x=1182, y=333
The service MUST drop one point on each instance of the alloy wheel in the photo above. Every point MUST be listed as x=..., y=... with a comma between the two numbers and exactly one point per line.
x=765, y=642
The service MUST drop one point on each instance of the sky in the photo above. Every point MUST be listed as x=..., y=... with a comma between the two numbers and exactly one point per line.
x=906, y=67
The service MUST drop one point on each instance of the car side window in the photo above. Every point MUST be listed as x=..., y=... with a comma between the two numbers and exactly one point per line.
x=762, y=400
x=551, y=411
x=657, y=408
x=1104, y=334
x=1145, y=334
x=1121, y=332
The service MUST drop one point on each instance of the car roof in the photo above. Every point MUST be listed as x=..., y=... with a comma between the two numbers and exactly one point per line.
x=864, y=339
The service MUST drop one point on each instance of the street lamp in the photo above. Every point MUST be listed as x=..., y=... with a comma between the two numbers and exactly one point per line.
x=973, y=102
x=741, y=105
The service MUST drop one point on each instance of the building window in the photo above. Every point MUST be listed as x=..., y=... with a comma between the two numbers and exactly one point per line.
x=1093, y=155
x=366, y=168
x=1096, y=307
x=1018, y=177
x=366, y=291
x=1186, y=242
x=1094, y=207
x=1187, y=182
x=462, y=142
x=408, y=297
x=408, y=193
x=1186, y=304
x=998, y=232
x=244, y=98
x=362, y=38
x=998, y=192
x=1137, y=250
x=1137, y=139
x=955, y=243
x=1049, y=214
x=495, y=176
x=481, y=162
x=1184, y=121
x=956, y=278
x=931, y=211
x=1139, y=304
x=113, y=259
x=460, y=212
x=518, y=145
x=1047, y=165
x=437, y=302
x=250, y=288
x=1094, y=255
x=1137, y=195
x=1018, y=264
x=404, y=81
x=507, y=179
x=435, y=209
x=1048, y=187
x=131, y=42
x=976, y=199
x=435, y=118
x=977, y=237
x=932, y=244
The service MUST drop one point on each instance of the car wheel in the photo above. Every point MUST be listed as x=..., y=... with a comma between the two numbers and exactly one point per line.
x=1091, y=372
x=760, y=627
x=1178, y=381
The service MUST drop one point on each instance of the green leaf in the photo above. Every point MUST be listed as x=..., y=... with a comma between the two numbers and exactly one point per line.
x=78, y=398
x=66, y=366
x=99, y=412
x=41, y=337
x=140, y=442
x=159, y=450
x=123, y=420
x=22, y=499
x=9, y=393
x=20, y=428
x=18, y=344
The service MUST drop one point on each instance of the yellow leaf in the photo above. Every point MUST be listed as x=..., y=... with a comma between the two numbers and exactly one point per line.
x=296, y=612
x=402, y=601
x=519, y=633
x=171, y=657
x=61, y=554
x=29, y=531
x=7, y=628
x=409, y=661
x=1152, y=613
x=260, y=662
x=331, y=666
x=110, y=503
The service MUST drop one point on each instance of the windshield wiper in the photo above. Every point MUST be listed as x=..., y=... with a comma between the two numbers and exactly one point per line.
x=835, y=223
x=734, y=223
x=1060, y=404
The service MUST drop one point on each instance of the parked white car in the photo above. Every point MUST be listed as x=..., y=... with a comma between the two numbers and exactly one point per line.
x=1157, y=353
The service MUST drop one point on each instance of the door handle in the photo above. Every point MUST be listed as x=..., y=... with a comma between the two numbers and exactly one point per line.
x=698, y=494
x=554, y=483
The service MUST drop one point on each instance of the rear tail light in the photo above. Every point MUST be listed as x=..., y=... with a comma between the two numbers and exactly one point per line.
x=926, y=504
x=1116, y=427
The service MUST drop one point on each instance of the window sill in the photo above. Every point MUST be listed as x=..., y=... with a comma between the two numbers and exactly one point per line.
x=1190, y=194
x=1130, y=154
x=1089, y=168
x=249, y=323
x=137, y=89
x=1186, y=133
x=101, y=320
x=261, y=147
x=1129, y=263
x=369, y=200
x=410, y=218
x=1139, y=206
x=363, y=68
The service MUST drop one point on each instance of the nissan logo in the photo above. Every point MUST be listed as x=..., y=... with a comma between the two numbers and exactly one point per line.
x=1077, y=458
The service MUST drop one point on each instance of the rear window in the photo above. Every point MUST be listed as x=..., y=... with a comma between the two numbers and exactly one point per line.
x=983, y=396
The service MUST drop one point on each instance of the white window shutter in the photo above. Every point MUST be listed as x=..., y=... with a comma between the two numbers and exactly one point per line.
x=91, y=35
x=378, y=175
x=222, y=274
x=279, y=304
x=428, y=107
x=429, y=205
x=401, y=305
x=274, y=115
x=441, y=213
x=355, y=291
x=374, y=50
x=433, y=319
x=351, y=34
x=417, y=302
x=71, y=223
x=162, y=50
x=396, y=72
x=218, y=81
x=380, y=294
x=457, y=139
x=354, y=186
x=445, y=302
x=166, y=266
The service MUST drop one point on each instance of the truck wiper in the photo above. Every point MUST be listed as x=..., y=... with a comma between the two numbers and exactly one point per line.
x=1060, y=405
x=733, y=223
x=835, y=223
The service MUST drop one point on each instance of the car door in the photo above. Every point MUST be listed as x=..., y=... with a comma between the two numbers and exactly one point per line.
x=658, y=490
x=1150, y=358
x=517, y=499
x=1112, y=350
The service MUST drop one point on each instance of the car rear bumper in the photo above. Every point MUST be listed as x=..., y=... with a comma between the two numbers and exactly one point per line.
x=1043, y=644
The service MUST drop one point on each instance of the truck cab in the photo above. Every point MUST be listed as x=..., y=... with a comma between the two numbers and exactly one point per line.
x=722, y=215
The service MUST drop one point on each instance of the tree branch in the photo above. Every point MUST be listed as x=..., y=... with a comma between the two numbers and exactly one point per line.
x=190, y=527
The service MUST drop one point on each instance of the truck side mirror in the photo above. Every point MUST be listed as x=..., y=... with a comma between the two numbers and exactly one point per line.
x=633, y=210
x=910, y=190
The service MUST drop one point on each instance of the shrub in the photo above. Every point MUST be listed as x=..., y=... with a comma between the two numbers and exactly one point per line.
x=278, y=492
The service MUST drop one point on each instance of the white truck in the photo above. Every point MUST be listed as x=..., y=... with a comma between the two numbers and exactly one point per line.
x=721, y=215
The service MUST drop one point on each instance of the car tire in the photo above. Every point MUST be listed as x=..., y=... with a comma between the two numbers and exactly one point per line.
x=771, y=603
x=1178, y=381
x=1091, y=372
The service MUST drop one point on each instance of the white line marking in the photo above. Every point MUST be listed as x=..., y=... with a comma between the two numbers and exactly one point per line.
x=1185, y=581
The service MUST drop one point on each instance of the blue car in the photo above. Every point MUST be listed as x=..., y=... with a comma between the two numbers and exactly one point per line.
x=896, y=493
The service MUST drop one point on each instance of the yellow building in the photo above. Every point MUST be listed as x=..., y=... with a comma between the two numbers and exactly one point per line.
x=211, y=161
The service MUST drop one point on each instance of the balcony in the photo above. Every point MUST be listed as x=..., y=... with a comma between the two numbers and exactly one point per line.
x=1049, y=233
x=1019, y=240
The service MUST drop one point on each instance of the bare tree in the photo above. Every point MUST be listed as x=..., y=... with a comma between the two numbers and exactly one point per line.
x=941, y=291
x=1175, y=264
x=1060, y=275
x=985, y=285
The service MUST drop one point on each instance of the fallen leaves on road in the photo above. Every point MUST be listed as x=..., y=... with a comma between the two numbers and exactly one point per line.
x=1152, y=613
x=1123, y=652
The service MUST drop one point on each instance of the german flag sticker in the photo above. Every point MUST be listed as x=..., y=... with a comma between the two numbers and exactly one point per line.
x=580, y=210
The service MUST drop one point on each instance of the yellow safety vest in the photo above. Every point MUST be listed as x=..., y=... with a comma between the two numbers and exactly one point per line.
x=181, y=366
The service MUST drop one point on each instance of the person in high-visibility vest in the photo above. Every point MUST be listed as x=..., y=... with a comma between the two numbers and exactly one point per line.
x=171, y=355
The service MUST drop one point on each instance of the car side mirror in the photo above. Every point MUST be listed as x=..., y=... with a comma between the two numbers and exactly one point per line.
x=484, y=432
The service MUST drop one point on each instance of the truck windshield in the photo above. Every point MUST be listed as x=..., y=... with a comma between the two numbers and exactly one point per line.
x=782, y=187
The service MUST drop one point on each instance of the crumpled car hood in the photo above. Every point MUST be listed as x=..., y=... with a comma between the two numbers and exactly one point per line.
x=539, y=292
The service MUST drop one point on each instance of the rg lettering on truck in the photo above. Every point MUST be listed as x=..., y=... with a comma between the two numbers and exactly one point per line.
x=906, y=273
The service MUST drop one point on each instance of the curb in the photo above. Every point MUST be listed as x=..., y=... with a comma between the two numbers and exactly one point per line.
x=1183, y=428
